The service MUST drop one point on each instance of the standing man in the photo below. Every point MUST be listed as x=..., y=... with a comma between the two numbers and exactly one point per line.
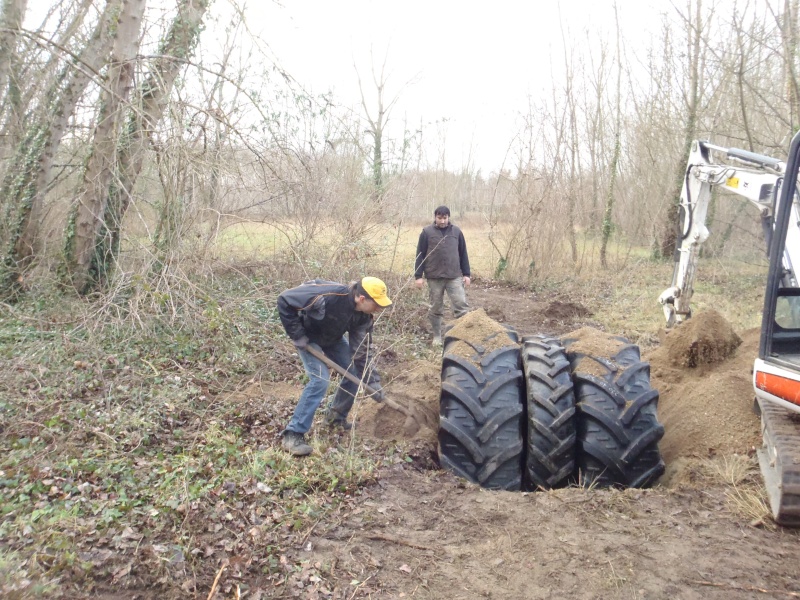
x=320, y=312
x=442, y=258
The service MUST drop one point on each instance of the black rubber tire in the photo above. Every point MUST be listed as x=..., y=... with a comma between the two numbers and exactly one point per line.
x=512, y=333
x=618, y=429
x=481, y=417
x=552, y=417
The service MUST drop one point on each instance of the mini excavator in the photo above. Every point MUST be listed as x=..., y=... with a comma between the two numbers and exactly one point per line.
x=770, y=185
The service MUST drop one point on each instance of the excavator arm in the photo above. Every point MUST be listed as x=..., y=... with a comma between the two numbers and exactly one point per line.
x=755, y=177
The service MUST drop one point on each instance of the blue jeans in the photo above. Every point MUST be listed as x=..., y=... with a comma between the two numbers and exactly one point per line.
x=318, y=379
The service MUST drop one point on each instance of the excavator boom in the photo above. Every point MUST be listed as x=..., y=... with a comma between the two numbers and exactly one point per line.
x=756, y=179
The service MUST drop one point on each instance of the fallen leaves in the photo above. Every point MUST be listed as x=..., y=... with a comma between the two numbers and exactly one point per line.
x=122, y=572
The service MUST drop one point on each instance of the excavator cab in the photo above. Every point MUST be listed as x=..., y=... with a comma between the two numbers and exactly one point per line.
x=780, y=329
x=779, y=347
x=776, y=372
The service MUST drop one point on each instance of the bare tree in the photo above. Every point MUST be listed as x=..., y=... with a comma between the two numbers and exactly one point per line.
x=694, y=38
x=175, y=50
x=24, y=184
x=614, y=166
x=596, y=124
x=84, y=222
x=573, y=145
x=11, y=15
x=29, y=78
x=377, y=120
x=789, y=35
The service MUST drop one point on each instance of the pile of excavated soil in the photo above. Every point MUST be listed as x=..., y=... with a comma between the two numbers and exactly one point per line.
x=587, y=344
x=706, y=338
x=706, y=408
x=416, y=389
x=477, y=332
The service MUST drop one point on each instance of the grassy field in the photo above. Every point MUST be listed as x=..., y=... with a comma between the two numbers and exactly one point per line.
x=393, y=249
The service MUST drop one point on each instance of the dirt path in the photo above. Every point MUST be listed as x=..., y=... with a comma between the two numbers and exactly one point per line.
x=420, y=532
x=529, y=312
x=428, y=535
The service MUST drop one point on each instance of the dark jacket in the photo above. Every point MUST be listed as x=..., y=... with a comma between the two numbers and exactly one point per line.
x=324, y=311
x=441, y=253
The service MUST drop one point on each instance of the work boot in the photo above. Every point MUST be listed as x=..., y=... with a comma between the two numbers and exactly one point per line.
x=436, y=330
x=334, y=420
x=339, y=424
x=295, y=443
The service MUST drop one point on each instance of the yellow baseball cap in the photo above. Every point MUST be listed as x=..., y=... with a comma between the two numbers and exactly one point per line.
x=376, y=290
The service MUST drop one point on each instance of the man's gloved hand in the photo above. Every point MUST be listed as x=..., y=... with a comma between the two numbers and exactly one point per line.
x=379, y=394
x=302, y=343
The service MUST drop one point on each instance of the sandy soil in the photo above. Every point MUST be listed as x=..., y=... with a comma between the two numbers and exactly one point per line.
x=421, y=532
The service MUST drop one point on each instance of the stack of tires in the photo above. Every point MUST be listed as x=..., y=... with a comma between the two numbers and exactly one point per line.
x=540, y=416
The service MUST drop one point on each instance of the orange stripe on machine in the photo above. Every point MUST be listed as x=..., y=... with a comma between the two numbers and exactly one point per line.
x=782, y=387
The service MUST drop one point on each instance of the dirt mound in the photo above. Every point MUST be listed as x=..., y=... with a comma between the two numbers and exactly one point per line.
x=706, y=410
x=477, y=331
x=416, y=389
x=707, y=338
x=591, y=341
x=565, y=310
x=592, y=344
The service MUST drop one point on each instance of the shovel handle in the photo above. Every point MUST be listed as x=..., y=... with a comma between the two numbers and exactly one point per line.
x=347, y=374
x=343, y=372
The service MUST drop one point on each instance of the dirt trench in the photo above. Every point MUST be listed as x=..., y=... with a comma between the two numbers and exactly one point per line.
x=702, y=371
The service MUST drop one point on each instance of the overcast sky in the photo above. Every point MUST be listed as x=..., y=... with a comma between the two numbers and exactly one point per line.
x=473, y=63
x=470, y=65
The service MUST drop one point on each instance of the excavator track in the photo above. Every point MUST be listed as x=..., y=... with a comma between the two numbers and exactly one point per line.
x=779, y=459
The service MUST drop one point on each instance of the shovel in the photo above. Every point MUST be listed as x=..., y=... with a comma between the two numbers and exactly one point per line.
x=345, y=373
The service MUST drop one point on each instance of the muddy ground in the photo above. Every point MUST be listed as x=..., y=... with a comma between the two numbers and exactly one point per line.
x=420, y=532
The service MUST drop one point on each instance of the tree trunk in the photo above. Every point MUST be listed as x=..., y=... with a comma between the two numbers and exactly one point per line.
x=154, y=94
x=84, y=222
x=789, y=33
x=574, y=173
x=18, y=107
x=377, y=124
x=24, y=184
x=609, y=210
x=11, y=14
x=669, y=238
x=377, y=160
x=597, y=133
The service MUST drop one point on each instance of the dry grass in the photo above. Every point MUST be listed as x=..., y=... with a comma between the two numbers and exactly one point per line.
x=750, y=502
x=730, y=470
x=745, y=493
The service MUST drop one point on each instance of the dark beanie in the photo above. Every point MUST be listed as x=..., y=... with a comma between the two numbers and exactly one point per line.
x=441, y=210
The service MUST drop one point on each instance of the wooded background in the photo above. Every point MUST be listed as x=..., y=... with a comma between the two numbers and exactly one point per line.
x=126, y=148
